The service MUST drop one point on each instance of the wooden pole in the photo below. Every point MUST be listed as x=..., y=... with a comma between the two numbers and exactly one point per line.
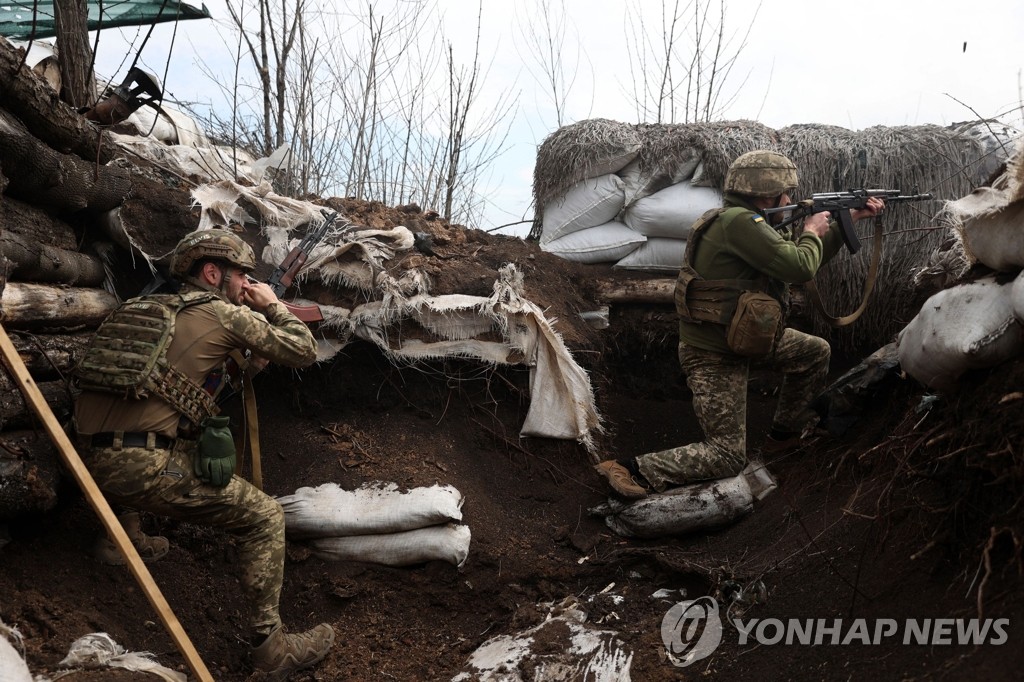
x=92, y=493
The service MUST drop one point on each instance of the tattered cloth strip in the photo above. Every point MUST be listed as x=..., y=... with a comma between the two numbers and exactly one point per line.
x=99, y=650
x=219, y=207
x=561, y=397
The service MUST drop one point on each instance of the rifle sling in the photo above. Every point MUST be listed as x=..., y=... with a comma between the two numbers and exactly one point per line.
x=869, y=284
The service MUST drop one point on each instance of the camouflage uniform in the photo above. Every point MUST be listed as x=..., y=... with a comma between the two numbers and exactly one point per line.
x=719, y=385
x=741, y=245
x=162, y=480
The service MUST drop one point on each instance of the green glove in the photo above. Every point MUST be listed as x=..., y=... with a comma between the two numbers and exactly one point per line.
x=215, y=460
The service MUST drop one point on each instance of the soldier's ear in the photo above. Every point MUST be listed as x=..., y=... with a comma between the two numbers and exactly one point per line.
x=211, y=273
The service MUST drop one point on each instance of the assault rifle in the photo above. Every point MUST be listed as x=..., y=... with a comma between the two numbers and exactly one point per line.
x=840, y=204
x=293, y=262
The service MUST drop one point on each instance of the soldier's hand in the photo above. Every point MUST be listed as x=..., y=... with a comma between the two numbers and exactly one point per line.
x=258, y=295
x=817, y=223
x=874, y=206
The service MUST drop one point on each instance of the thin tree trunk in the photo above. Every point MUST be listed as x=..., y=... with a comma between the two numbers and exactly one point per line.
x=77, y=85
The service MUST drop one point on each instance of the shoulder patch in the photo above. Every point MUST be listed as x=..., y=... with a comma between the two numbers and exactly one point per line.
x=756, y=218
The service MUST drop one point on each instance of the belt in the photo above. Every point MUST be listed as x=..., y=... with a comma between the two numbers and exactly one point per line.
x=132, y=439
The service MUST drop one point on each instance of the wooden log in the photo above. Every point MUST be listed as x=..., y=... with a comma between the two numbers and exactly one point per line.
x=15, y=414
x=29, y=473
x=636, y=290
x=38, y=306
x=50, y=356
x=41, y=263
x=45, y=177
x=35, y=224
x=32, y=100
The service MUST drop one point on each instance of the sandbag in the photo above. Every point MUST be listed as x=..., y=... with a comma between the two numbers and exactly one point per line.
x=996, y=239
x=588, y=203
x=970, y=326
x=639, y=183
x=1017, y=297
x=12, y=666
x=657, y=254
x=449, y=543
x=602, y=244
x=672, y=211
x=330, y=511
x=698, y=506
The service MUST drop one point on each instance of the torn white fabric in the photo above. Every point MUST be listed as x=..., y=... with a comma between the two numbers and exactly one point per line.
x=12, y=662
x=218, y=203
x=99, y=650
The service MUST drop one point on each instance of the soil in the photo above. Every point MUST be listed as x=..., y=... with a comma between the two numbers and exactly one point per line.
x=883, y=522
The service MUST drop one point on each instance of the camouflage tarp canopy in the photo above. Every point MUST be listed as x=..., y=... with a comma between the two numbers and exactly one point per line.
x=18, y=17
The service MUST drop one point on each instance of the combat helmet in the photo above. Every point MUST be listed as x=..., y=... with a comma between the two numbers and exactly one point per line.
x=216, y=243
x=761, y=173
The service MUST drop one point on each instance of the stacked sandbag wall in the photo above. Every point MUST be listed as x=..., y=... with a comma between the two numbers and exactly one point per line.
x=626, y=195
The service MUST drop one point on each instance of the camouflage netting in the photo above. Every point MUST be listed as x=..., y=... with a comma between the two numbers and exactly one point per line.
x=947, y=162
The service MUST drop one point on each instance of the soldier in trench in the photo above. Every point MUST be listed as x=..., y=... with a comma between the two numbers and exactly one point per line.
x=153, y=440
x=731, y=296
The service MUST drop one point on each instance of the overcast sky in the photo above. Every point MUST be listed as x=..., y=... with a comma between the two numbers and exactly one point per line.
x=859, y=64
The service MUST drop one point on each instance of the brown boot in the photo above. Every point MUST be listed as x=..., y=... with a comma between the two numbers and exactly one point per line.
x=620, y=480
x=150, y=547
x=281, y=654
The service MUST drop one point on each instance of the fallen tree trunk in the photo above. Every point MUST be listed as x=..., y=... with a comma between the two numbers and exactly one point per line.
x=15, y=414
x=33, y=101
x=42, y=176
x=636, y=290
x=33, y=306
x=29, y=473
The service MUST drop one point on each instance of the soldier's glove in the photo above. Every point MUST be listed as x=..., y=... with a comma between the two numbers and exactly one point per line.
x=215, y=460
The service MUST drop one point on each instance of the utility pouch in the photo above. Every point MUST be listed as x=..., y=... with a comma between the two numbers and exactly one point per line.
x=215, y=458
x=755, y=325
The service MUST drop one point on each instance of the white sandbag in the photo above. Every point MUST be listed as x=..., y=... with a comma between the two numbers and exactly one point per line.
x=1017, y=297
x=602, y=244
x=12, y=666
x=588, y=203
x=563, y=648
x=997, y=239
x=690, y=507
x=672, y=211
x=970, y=326
x=657, y=254
x=449, y=543
x=329, y=510
x=638, y=183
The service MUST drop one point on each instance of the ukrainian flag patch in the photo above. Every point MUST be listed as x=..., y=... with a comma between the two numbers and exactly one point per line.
x=757, y=218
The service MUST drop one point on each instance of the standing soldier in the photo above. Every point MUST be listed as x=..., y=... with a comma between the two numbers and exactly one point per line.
x=731, y=296
x=154, y=440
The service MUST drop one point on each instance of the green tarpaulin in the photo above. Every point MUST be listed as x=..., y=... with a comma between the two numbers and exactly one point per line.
x=17, y=17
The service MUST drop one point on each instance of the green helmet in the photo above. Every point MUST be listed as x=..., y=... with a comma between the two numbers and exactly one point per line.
x=216, y=243
x=761, y=173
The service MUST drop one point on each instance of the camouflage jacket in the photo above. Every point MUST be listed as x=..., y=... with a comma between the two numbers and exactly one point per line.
x=204, y=336
x=744, y=246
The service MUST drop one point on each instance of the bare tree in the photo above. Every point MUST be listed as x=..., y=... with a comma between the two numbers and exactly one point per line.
x=70, y=19
x=679, y=78
x=542, y=29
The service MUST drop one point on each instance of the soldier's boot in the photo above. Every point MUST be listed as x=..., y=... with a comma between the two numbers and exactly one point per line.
x=620, y=479
x=281, y=654
x=149, y=547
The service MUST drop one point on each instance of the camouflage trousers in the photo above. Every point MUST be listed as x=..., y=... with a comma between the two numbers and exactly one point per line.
x=163, y=482
x=719, y=385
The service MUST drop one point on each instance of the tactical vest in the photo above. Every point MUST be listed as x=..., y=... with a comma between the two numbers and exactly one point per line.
x=128, y=355
x=708, y=300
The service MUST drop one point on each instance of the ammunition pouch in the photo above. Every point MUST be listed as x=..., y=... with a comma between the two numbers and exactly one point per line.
x=755, y=326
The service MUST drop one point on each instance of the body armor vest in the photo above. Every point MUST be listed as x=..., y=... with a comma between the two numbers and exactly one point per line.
x=128, y=355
